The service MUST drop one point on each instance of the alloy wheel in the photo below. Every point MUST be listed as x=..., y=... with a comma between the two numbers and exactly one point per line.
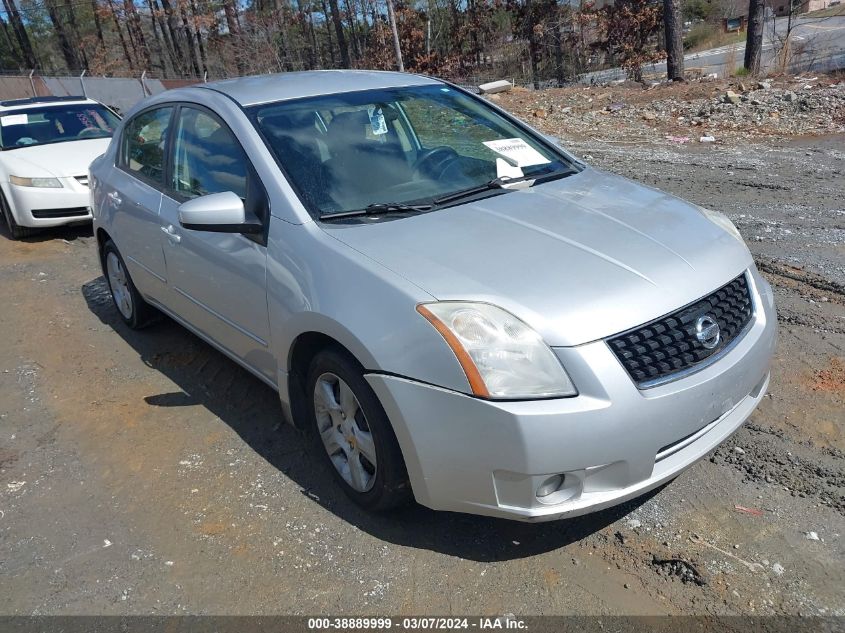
x=345, y=433
x=119, y=284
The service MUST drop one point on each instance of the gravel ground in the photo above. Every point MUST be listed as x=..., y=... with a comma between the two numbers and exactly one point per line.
x=144, y=473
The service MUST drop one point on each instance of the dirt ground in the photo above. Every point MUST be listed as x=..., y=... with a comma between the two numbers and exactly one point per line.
x=144, y=473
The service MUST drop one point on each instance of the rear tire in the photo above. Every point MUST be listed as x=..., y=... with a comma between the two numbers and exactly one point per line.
x=131, y=307
x=15, y=230
x=353, y=434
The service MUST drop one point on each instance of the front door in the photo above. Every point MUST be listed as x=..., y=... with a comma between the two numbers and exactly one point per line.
x=217, y=281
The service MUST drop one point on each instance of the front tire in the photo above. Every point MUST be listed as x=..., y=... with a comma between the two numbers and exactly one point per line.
x=353, y=434
x=15, y=230
x=133, y=310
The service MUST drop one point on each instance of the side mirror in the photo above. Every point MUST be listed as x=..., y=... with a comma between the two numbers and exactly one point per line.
x=219, y=213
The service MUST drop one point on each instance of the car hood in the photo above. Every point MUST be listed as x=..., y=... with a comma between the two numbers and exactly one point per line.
x=578, y=259
x=67, y=159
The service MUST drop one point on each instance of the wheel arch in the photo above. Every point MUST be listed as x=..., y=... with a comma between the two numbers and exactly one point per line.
x=302, y=349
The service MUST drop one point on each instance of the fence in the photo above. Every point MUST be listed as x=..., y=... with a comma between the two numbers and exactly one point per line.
x=120, y=93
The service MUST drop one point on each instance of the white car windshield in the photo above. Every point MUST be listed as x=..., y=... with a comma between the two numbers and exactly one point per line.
x=55, y=124
x=399, y=146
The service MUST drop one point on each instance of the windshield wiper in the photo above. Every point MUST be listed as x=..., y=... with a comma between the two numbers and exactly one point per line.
x=519, y=182
x=378, y=208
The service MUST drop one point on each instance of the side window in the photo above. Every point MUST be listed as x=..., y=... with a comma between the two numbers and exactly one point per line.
x=207, y=157
x=144, y=143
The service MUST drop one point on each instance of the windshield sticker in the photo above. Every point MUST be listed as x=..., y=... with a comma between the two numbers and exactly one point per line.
x=14, y=119
x=377, y=122
x=517, y=151
x=505, y=170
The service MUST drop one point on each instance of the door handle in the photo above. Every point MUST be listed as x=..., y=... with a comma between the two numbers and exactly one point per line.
x=115, y=198
x=171, y=233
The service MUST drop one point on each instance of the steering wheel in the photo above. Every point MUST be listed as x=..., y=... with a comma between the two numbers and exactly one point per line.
x=89, y=132
x=433, y=162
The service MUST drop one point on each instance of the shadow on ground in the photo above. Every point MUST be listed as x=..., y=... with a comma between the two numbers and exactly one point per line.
x=206, y=377
x=68, y=232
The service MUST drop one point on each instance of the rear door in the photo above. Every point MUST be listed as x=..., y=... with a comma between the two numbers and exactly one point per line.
x=134, y=192
x=217, y=280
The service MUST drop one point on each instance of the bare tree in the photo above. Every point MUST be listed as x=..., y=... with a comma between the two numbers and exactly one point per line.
x=120, y=35
x=27, y=53
x=673, y=30
x=66, y=45
x=391, y=13
x=341, y=38
x=754, y=36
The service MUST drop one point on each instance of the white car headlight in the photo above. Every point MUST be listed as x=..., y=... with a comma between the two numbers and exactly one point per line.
x=46, y=183
x=501, y=356
x=723, y=221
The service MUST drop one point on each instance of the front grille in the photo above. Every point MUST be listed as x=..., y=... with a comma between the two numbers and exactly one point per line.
x=71, y=212
x=82, y=180
x=654, y=352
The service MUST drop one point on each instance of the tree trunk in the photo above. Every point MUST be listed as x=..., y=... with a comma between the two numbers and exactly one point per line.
x=234, y=31
x=189, y=38
x=20, y=33
x=12, y=50
x=133, y=24
x=65, y=41
x=341, y=38
x=155, y=15
x=74, y=30
x=120, y=35
x=158, y=49
x=353, y=32
x=391, y=14
x=198, y=35
x=174, y=36
x=98, y=25
x=754, y=35
x=673, y=30
x=328, y=32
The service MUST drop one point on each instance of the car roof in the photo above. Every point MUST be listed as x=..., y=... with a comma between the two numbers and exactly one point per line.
x=28, y=102
x=249, y=91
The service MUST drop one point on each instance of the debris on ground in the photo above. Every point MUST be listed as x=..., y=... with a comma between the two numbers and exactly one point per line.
x=729, y=110
x=681, y=568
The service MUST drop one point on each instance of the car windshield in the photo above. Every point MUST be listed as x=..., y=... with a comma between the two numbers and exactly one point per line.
x=55, y=124
x=382, y=148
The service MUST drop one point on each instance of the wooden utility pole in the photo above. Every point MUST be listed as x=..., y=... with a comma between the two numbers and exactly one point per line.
x=673, y=30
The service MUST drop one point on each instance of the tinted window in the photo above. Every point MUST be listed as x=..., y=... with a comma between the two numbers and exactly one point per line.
x=206, y=157
x=144, y=143
x=55, y=124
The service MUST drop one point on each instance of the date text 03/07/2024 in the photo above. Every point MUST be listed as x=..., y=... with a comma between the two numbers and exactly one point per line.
x=507, y=622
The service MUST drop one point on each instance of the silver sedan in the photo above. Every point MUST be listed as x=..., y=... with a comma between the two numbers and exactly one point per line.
x=454, y=307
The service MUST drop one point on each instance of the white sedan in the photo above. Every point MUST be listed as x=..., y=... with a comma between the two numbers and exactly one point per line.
x=46, y=145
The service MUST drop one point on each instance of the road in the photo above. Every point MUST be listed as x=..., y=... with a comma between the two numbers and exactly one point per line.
x=145, y=473
x=818, y=45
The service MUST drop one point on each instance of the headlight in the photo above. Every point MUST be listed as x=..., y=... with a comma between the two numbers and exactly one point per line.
x=721, y=220
x=501, y=356
x=46, y=183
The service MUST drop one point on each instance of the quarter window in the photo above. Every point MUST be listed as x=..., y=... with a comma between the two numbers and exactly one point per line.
x=207, y=157
x=144, y=143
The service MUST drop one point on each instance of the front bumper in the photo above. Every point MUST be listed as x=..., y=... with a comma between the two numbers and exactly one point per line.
x=611, y=443
x=46, y=207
